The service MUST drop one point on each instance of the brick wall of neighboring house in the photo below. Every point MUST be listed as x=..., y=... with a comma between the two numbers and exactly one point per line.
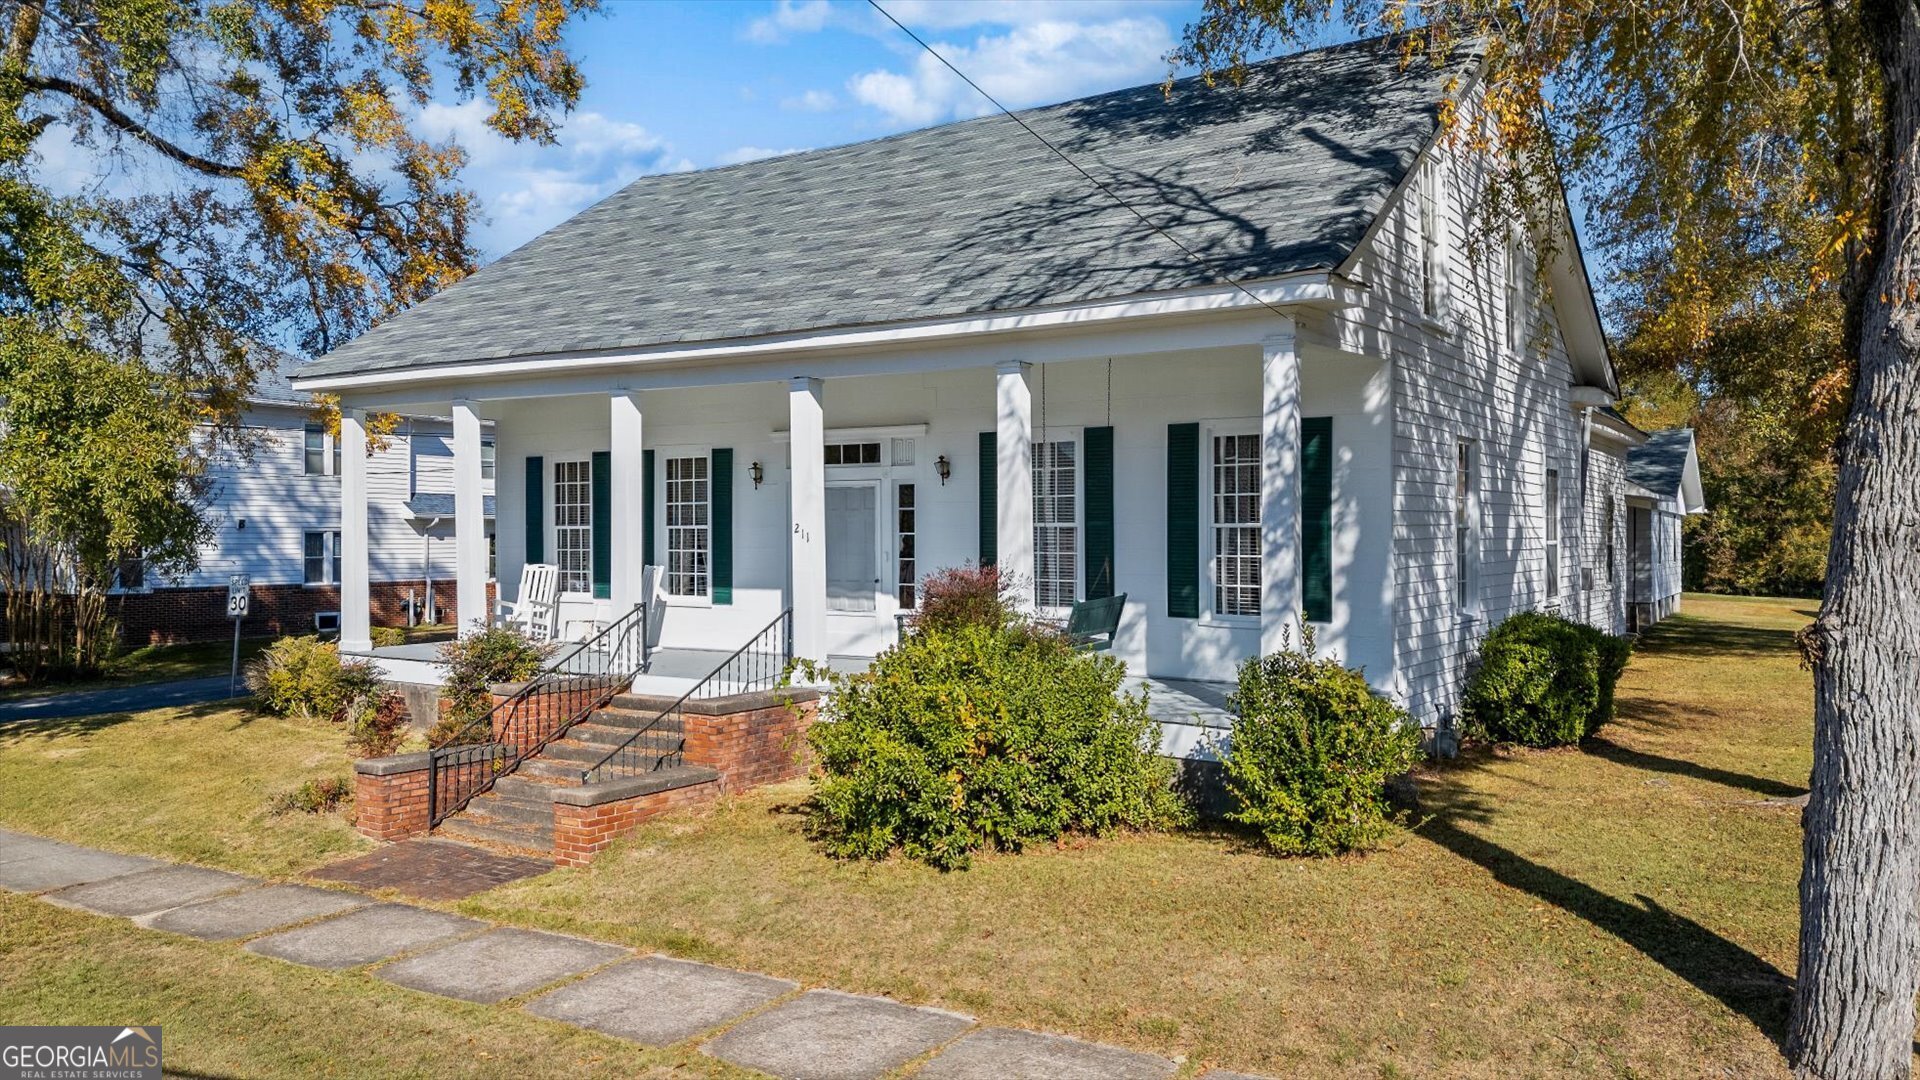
x=167, y=616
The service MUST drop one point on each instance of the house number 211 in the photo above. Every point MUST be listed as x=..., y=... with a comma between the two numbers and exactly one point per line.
x=805, y=536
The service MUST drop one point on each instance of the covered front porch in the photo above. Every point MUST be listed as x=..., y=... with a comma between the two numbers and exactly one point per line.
x=1230, y=477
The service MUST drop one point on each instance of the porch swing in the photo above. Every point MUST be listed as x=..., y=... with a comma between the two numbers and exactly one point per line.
x=1092, y=623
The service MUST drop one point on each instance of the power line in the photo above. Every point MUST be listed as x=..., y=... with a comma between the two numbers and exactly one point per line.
x=1062, y=155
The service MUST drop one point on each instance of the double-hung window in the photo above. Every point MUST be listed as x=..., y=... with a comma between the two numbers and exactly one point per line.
x=1234, y=481
x=1516, y=292
x=689, y=526
x=1465, y=527
x=320, y=550
x=1433, y=257
x=486, y=458
x=314, y=448
x=1056, y=524
x=1553, y=534
x=573, y=524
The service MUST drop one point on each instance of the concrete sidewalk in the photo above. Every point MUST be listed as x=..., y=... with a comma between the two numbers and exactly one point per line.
x=136, y=697
x=754, y=1021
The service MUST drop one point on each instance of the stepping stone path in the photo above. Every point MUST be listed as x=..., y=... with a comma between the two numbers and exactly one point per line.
x=650, y=1000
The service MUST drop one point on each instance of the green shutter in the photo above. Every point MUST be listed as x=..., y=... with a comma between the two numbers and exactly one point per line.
x=1316, y=516
x=1099, y=512
x=1183, y=521
x=722, y=470
x=535, y=498
x=989, y=501
x=646, y=512
x=602, y=524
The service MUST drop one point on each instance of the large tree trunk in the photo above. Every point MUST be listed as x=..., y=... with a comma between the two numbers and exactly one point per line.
x=1853, y=1007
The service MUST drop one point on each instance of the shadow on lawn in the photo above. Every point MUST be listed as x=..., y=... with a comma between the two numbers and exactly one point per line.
x=1691, y=637
x=1609, y=750
x=60, y=727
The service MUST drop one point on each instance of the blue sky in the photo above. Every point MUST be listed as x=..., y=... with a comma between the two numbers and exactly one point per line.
x=693, y=85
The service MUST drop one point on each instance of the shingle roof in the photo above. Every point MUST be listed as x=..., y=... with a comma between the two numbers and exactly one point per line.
x=1282, y=175
x=1660, y=464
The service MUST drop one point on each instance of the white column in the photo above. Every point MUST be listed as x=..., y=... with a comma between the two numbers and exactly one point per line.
x=1280, y=490
x=806, y=425
x=627, y=531
x=356, y=632
x=469, y=521
x=1013, y=448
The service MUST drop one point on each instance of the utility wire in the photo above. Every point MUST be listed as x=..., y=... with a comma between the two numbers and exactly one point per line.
x=1062, y=155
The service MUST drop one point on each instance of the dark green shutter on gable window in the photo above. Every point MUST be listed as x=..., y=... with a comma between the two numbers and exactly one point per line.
x=722, y=470
x=646, y=512
x=1099, y=512
x=1316, y=516
x=602, y=524
x=535, y=499
x=989, y=500
x=1183, y=521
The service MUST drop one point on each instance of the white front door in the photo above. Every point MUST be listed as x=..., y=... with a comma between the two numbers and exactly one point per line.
x=855, y=608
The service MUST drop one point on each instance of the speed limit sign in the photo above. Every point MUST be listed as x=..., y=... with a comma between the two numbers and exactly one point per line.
x=239, y=590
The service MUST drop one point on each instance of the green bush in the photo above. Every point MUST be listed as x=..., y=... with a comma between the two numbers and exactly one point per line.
x=964, y=739
x=298, y=676
x=1312, y=751
x=313, y=797
x=1543, y=681
x=498, y=654
x=965, y=596
x=386, y=636
x=376, y=722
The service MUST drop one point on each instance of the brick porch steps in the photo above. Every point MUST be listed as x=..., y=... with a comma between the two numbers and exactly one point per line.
x=519, y=838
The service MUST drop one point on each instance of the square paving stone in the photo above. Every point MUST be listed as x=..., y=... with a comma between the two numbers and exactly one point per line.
x=34, y=864
x=499, y=965
x=658, y=1001
x=828, y=1035
x=1005, y=1054
x=254, y=912
x=365, y=936
x=150, y=890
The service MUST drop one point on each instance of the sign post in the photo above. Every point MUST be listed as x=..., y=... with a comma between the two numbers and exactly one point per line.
x=239, y=593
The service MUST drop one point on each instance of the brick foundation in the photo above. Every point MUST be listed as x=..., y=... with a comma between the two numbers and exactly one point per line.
x=587, y=819
x=390, y=797
x=170, y=616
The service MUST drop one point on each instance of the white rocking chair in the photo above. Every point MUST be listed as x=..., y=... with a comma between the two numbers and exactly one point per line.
x=536, y=611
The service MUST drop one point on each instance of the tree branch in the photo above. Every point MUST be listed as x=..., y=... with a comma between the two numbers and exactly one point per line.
x=114, y=116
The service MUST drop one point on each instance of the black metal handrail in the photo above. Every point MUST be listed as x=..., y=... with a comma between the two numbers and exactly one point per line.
x=567, y=690
x=760, y=664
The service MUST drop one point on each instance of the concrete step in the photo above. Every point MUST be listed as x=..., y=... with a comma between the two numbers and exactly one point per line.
x=594, y=732
x=524, y=788
x=562, y=773
x=525, y=839
x=569, y=750
x=495, y=809
x=619, y=716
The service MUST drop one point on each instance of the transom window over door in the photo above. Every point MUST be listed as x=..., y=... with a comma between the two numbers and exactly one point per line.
x=1235, y=475
x=689, y=540
x=573, y=524
x=1056, y=524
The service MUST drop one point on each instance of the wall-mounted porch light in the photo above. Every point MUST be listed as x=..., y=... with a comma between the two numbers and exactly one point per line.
x=944, y=468
x=754, y=470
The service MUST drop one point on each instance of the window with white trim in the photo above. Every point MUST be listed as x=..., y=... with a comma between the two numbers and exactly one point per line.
x=1234, y=482
x=320, y=551
x=1056, y=523
x=908, y=580
x=1465, y=526
x=689, y=543
x=315, y=451
x=487, y=457
x=1516, y=292
x=130, y=573
x=573, y=524
x=1553, y=534
x=1433, y=259
x=853, y=453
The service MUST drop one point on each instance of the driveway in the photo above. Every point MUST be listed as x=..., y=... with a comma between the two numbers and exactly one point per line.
x=113, y=699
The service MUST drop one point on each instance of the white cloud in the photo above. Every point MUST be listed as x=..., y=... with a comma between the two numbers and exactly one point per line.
x=743, y=154
x=526, y=189
x=811, y=101
x=1043, y=61
x=790, y=17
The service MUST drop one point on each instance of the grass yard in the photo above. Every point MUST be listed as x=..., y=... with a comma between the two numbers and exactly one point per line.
x=1626, y=908
x=152, y=663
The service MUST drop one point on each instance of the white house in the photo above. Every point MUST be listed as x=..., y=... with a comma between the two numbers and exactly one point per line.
x=804, y=383
x=275, y=511
x=1664, y=474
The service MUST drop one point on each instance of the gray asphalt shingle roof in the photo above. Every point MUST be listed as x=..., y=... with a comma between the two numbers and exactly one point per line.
x=1282, y=175
x=1660, y=464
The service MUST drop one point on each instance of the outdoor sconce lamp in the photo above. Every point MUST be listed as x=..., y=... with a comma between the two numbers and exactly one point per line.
x=944, y=468
x=754, y=470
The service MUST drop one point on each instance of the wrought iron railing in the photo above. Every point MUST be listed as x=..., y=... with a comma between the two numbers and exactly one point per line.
x=760, y=664
x=580, y=679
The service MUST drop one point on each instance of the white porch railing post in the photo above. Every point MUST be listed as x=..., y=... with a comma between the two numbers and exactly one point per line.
x=627, y=531
x=1013, y=489
x=356, y=618
x=806, y=424
x=1280, y=597
x=469, y=521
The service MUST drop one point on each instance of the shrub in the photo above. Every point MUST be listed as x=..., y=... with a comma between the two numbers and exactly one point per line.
x=377, y=723
x=1312, y=752
x=497, y=654
x=313, y=797
x=965, y=596
x=298, y=676
x=385, y=636
x=1543, y=681
x=968, y=738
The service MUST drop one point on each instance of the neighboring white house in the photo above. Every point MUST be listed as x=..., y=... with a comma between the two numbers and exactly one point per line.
x=1664, y=474
x=275, y=512
x=804, y=383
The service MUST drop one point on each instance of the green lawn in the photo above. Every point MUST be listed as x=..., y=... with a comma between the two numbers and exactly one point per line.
x=1626, y=908
x=153, y=663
